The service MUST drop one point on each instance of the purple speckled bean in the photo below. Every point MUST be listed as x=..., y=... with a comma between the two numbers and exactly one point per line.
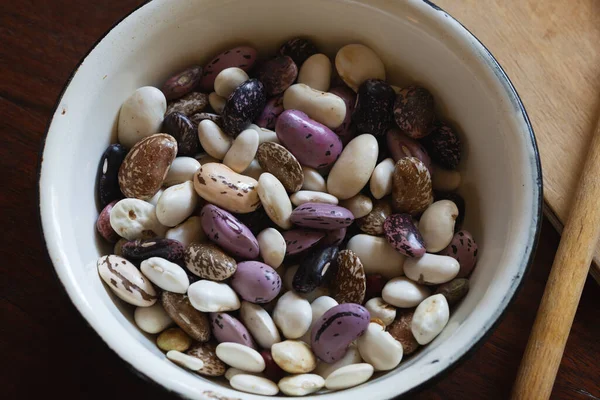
x=256, y=282
x=373, y=108
x=401, y=146
x=299, y=240
x=103, y=224
x=464, y=249
x=228, y=232
x=268, y=117
x=277, y=74
x=334, y=237
x=242, y=57
x=444, y=145
x=336, y=329
x=243, y=106
x=349, y=96
x=182, y=83
x=311, y=142
x=299, y=49
x=403, y=235
x=322, y=216
x=226, y=328
x=139, y=250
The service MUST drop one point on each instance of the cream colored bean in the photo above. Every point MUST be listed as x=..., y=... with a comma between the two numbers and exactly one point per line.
x=165, y=274
x=294, y=356
x=310, y=196
x=216, y=102
x=377, y=255
x=141, y=115
x=349, y=376
x=316, y=72
x=326, y=108
x=288, y=276
x=154, y=199
x=264, y=134
x=218, y=184
x=176, y=204
x=301, y=385
x=254, y=384
x=272, y=247
x=183, y=360
x=136, y=219
x=127, y=282
x=355, y=63
x=275, y=200
x=431, y=269
x=254, y=170
x=437, y=225
x=354, y=167
x=352, y=356
x=240, y=356
x=188, y=232
x=379, y=348
x=228, y=80
x=313, y=180
x=404, y=293
x=232, y=371
x=182, y=169
x=381, y=179
x=430, y=318
x=260, y=324
x=242, y=151
x=212, y=138
x=359, y=205
x=445, y=180
x=382, y=310
x=153, y=319
x=292, y=315
x=209, y=296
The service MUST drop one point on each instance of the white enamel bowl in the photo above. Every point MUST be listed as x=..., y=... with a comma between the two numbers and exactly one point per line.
x=417, y=42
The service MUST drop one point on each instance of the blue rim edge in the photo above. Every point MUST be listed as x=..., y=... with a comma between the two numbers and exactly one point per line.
x=453, y=365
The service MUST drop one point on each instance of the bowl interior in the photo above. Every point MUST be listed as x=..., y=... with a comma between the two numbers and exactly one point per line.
x=418, y=43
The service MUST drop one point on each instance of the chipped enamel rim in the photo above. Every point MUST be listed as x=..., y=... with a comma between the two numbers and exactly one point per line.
x=194, y=387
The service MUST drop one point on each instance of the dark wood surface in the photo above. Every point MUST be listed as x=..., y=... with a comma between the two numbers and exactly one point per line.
x=45, y=346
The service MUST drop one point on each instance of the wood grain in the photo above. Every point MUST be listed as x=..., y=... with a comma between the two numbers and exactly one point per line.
x=570, y=267
x=46, y=346
x=551, y=52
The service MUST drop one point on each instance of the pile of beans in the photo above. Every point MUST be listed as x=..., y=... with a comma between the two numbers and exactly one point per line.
x=285, y=223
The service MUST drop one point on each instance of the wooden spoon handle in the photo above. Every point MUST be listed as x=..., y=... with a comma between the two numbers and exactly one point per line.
x=570, y=268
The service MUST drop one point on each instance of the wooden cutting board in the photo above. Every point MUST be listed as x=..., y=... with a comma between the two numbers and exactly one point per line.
x=551, y=52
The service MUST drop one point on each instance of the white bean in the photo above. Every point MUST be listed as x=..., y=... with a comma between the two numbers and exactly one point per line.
x=228, y=80
x=209, y=296
x=136, y=219
x=377, y=255
x=381, y=179
x=141, y=115
x=323, y=107
x=189, y=231
x=176, y=204
x=430, y=318
x=379, y=348
x=355, y=63
x=212, y=138
x=242, y=151
x=254, y=384
x=240, y=356
x=264, y=134
x=316, y=72
x=359, y=205
x=288, y=276
x=292, y=315
x=352, y=356
x=275, y=200
x=310, y=196
x=165, y=274
x=301, y=385
x=437, y=225
x=232, y=371
x=313, y=180
x=272, y=247
x=382, y=310
x=182, y=169
x=404, y=293
x=184, y=360
x=260, y=324
x=294, y=356
x=431, y=269
x=154, y=199
x=349, y=376
x=153, y=319
x=216, y=102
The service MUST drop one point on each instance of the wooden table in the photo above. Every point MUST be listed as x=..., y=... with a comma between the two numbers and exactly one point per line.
x=45, y=345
